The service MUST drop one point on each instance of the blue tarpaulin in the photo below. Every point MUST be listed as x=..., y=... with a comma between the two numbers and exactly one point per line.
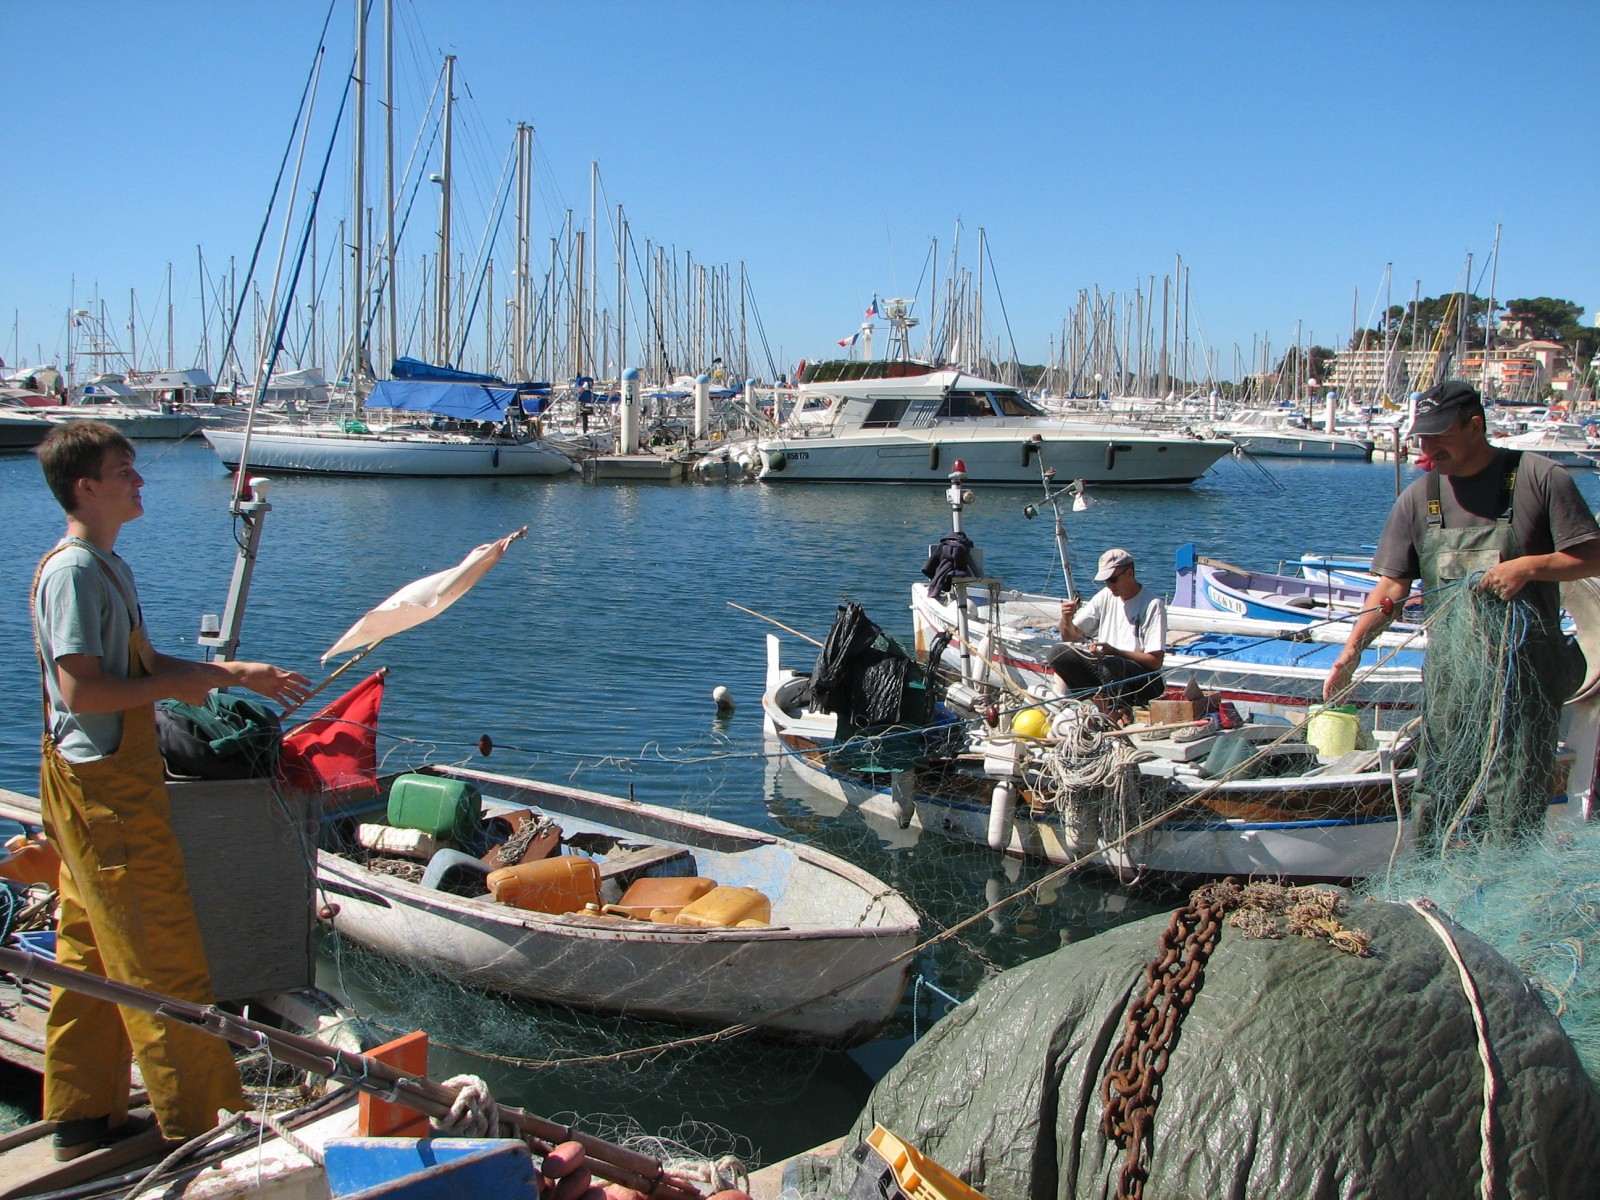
x=413, y=369
x=467, y=401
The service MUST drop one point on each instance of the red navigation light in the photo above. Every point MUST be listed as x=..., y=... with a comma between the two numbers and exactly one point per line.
x=960, y=467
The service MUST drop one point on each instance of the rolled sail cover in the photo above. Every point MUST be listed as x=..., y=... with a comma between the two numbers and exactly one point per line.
x=1300, y=1071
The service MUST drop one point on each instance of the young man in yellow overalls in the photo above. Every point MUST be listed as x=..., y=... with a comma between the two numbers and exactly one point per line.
x=125, y=907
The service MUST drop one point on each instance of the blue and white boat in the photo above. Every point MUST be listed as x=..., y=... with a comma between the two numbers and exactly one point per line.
x=1330, y=596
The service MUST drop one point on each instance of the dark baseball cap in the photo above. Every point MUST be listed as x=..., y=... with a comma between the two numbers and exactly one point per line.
x=1440, y=407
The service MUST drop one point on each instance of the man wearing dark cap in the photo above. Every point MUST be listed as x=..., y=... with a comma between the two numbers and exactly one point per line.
x=1518, y=519
x=1129, y=624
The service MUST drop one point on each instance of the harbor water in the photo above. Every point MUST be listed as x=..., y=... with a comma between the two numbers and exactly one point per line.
x=590, y=655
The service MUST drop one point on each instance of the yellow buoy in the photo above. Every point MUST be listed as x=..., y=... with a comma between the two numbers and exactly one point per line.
x=1031, y=723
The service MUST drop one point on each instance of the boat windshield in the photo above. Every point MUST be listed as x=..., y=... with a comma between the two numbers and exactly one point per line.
x=1011, y=404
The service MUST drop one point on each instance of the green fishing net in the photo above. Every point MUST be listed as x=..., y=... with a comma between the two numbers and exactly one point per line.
x=1496, y=674
x=1538, y=903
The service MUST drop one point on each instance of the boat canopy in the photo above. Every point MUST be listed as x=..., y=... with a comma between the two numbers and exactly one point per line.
x=466, y=401
x=413, y=369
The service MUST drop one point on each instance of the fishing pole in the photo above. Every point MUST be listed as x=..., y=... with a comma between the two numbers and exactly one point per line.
x=611, y=1162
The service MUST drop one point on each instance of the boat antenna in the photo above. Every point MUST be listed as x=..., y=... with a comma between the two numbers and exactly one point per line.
x=1053, y=496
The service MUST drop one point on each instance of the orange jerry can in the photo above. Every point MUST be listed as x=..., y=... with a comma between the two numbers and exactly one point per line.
x=661, y=899
x=32, y=860
x=553, y=885
x=742, y=906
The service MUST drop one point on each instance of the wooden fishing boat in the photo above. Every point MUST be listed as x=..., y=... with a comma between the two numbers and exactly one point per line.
x=827, y=964
x=1003, y=638
x=1204, y=582
x=1255, y=800
x=1296, y=814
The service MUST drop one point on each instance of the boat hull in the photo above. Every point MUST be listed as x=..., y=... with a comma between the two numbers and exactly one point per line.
x=1237, y=829
x=720, y=977
x=311, y=453
x=992, y=456
x=1281, y=445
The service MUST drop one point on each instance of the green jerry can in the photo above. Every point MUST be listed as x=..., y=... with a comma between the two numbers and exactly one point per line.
x=446, y=808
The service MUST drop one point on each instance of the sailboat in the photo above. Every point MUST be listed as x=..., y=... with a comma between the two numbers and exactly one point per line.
x=474, y=428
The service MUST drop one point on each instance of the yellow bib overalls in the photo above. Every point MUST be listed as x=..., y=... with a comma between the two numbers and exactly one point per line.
x=126, y=915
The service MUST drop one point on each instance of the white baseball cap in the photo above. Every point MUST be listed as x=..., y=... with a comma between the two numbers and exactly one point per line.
x=1111, y=562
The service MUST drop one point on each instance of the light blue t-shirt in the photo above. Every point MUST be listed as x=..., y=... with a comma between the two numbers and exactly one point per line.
x=80, y=610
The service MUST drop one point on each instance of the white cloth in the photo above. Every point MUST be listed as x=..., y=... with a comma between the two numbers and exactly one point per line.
x=1138, y=623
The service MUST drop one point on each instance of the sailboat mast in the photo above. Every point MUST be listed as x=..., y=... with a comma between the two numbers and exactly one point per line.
x=358, y=192
x=977, y=309
x=591, y=309
x=622, y=293
x=519, y=286
x=388, y=178
x=441, y=330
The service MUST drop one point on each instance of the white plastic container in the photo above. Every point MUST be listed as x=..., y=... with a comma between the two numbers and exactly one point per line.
x=402, y=843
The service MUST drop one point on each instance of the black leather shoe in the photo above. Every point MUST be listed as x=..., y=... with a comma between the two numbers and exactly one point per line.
x=73, y=1139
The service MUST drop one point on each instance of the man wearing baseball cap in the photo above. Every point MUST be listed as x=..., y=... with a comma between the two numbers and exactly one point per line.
x=1128, y=625
x=1520, y=521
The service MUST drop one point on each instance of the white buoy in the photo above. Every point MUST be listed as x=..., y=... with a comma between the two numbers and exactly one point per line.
x=903, y=793
x=1002, y=804
x=723, y=698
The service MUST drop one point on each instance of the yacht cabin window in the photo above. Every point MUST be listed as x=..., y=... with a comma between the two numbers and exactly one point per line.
x=966, y=404
x=885, y=414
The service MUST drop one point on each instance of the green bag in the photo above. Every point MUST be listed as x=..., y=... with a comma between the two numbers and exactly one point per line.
x=227, y=737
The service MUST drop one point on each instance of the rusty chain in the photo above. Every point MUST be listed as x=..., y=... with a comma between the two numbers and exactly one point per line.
x=1132, y=1085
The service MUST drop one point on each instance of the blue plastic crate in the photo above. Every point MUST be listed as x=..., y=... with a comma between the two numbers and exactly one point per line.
x=39, y=941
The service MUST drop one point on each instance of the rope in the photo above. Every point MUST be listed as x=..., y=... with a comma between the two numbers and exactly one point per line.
x=292, y=1139
x=1428, y=910
x=183, y=1151
x=722, y=1175
x=471, y=1112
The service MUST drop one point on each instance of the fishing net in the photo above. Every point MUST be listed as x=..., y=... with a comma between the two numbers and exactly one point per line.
x=1538, y=903
x=1496, y=677
x=540, y=1056
x=1344, y=1064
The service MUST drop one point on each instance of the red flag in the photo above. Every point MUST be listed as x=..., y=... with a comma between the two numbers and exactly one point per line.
x=336, y=751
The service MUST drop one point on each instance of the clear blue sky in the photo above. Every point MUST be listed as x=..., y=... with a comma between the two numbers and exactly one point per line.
x=1286, y=151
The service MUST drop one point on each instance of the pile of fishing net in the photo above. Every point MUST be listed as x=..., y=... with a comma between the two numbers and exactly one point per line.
x=1345, y=1062
x=1537, y=903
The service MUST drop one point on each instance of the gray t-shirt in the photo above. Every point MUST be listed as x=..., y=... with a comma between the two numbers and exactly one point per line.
x=1547, y=514
x=80, y=610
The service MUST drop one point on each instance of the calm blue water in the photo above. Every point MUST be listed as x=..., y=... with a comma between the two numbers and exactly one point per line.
x=590, y=654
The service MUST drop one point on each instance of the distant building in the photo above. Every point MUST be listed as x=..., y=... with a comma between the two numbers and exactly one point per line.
x=1377, y=373
x=1517, y=372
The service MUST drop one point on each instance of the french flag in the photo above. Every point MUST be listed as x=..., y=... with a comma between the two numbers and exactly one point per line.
x=851, y=340
x=872, y=309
